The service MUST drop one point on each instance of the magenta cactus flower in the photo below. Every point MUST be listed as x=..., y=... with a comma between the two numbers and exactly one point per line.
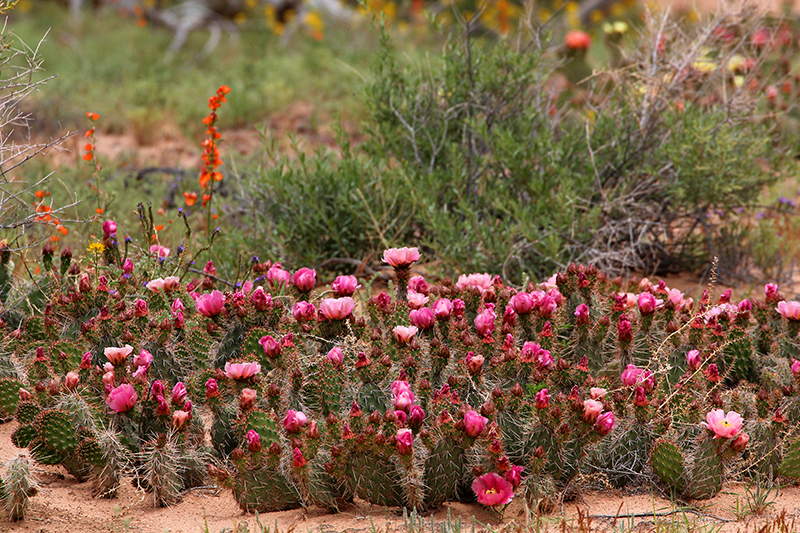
x=474, y=424
x=177, y=307
x=423, y=318
x=122, y=399
x=404, y=441
x=294, y=421
x=212, y=388
x=542, y=399
x=443, y=308
x=403, y=395
x=272, y=347
x=740, y=442
x=523, y=303
x=416, y=416
x=493, y=490
x=484, y=321
x=336, y=357
x=605, y=423
x=547, y=306
x=404, y=334
x=179, y=393
x=514, y=476
x=418, y=284
x=345, y=286
x=117, y=356
x=260, y=299
x=127, y=267
x=210, y=305
x=140, y=308
x=789, y=310
x=632, y=376
x=253, y=441
x=298, y=460
x=648, y=303
x=304, y=279
x=401, y=257
x=724, y=426
x=771, y=291
x=336, y=308
x=693, y=360
x=582, y=315
x=795, y=367
x=240, y=371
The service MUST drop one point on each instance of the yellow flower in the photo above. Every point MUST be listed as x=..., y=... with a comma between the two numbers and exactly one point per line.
x=97, y=248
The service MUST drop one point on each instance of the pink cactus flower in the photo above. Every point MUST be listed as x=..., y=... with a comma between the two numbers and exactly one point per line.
x=480, y=281
x=144, y=358
x=304, y=279
x=632, y=376
x=336, y=309
x=493, y=490
x=523, y=303
x=108, y=367
x=140, y=308
x=605, y=423
x=740, y=442
x=423, y=318
x=117, y=356
x=484, y=321
x=790, y=310
x=416, y=416
x=592, y=410
x=177, y=306
x=253, y=441
x=127, y=267
x=122, y=399
x=597, y=393
x=514, y=476
x=171, y=283
x=639, y=398
x=277, y=276
x=443, y=308
x=272, y=347
x=675, y=298
x=294, y=421
x=400, y=257
x=771, y=291
x=648, y=303
x=336, y=357
x=582, y=315
x=418, y=284
x=403, y=396
x=416, y=299
x=72, y=380
x=712, y=373
x=474, y=424
x=240, y=371
x=160, y=251
x=210, y=305
x=304, y=311
x=404, y=441
x=247, y=399
x=693, y=360
x=179, y=419
x=724, y=426
x=345, y=286
x=459, y=307
x=86, y=361
x=404, y=334
x=547, y=306
x=542, y=399
x=795, y=367
x=261, y=300
x=474, y=363
x=212, y=388
x=179, y=393
x=298, y=461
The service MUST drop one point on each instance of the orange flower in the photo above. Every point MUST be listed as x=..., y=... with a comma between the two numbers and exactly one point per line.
x=38, y=269
x=223, y=90
x=159, y=227
x=92, y=116
x=55, y=238
x=39, y=194
x=89, y=133
x=87, y=156
x=206, y=198
x=217, y=176
x=205, y=177
x=99, y=210
x=62, y=229
x=214, y=216
x=191, y=198
x=88, y=147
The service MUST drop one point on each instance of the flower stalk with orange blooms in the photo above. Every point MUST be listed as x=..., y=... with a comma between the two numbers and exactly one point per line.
x=210, y=174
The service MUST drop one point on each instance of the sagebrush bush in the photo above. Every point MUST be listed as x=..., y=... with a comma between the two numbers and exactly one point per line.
x=502, y=165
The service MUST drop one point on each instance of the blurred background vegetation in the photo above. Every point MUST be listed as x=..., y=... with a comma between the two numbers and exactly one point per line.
x=496, y=136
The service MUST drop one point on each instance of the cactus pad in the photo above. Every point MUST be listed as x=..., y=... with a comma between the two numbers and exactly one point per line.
x=56, y=431
x=790, y=466
x=9, y=396
x=444, y=471
x=667, y=461
x=264, y=491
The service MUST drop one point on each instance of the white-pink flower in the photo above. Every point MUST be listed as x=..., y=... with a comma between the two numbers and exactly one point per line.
x=337, y=308
x=403, y=334
x=723, y=426
x=159, y=250
x=400, y=257
x=117, y=356
x=241, y=370
x=790, y=309
x=480, y=281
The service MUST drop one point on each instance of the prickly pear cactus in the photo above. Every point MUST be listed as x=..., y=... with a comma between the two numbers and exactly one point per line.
x=668, y=463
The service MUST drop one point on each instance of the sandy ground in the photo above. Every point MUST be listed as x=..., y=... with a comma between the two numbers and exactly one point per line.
x=64, y=505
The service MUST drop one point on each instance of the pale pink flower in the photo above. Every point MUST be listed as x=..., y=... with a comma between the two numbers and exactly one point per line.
x=790, y=310
x=294, y=420
x=474, y=363
x=122, y=399
x=171, y=283
x=336, y=356
x=247, y=399
x=592, y=410
x=400, y=257
x=117, y=356
x=159, y=250
x=416, y=299
x=210, y=304
x=337, y=308
x=492, y=490
x=722, y=425
x=484, y=321
x=442, y=308
x=155, y=284
x=418, y=284
x=72, y=380
x=474, y=424
x=241, y=371
x=403, y=334
x=480, y=281
x=597, y=393
x=740, y=442
x=345, y=285
x=675, y=297
x=179, y=419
